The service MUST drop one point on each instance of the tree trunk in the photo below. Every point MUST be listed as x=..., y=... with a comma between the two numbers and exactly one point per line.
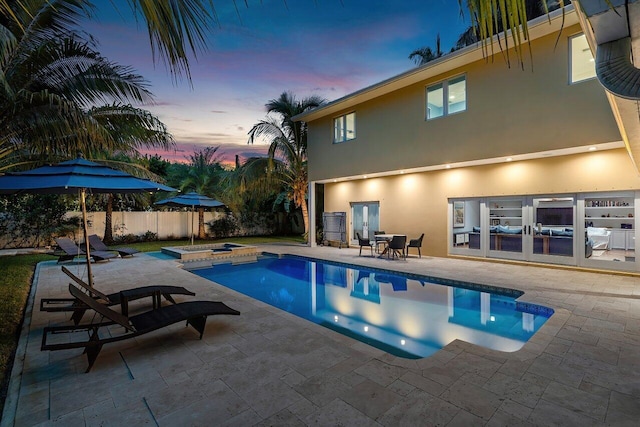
x=305, y=218
x=201, y=231
x=108, y=221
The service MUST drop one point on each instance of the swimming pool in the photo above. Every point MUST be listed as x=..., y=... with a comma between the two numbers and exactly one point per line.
x=406, y=315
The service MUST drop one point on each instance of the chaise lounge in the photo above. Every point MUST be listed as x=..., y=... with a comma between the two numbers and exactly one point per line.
x=122, y=298
x=98, y=245
x=194, y=312
x=70, y=250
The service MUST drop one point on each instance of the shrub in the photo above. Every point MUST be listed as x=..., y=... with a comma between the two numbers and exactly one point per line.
x=223, y=227
x=149, y=236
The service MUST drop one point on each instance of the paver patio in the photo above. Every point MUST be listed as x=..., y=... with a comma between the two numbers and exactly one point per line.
x=267, y=367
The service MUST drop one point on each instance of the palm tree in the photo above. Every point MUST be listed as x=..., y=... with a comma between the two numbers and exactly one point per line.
x=177, y=28
x=426, y=54
x=54, y=89
x=506, y=17
x=287, y=161
x=204, y=178
x=53, y=92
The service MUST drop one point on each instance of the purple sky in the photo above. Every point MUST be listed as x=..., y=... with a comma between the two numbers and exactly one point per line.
x=323, y=47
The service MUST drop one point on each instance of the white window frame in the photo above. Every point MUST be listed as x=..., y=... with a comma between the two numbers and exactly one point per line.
x=347, y=134
x=445, y=97
x=570, y=77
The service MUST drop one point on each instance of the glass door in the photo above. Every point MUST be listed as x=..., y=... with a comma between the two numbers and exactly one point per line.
x=609, y=230
x=505, y=231
x=553, y=230
x=365, y=219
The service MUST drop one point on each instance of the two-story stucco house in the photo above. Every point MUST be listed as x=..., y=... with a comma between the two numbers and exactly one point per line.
x=486, y=160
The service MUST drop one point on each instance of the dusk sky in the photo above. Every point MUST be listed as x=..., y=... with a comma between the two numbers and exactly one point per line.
x=323, y=47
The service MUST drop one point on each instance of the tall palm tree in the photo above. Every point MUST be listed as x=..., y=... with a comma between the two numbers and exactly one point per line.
x=204, y=178
x=287, y=161
x=58, y=96
x=54, y=89
x=177, y=28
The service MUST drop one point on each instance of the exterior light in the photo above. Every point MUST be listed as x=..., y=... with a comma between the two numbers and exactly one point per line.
x=402, y=342
x=335, y=318
x=592, y=148
x=509, y=159
x=448, y=166
x=492, y=318
x=366, y=329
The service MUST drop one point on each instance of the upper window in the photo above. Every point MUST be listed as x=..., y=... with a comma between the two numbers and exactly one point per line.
x=582, y=66
x=344, y=128
x=447, y=97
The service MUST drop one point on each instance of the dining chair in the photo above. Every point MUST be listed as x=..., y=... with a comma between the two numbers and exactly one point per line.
x=379, y=241
x=397, y=246
x=364, y=242
x=415, y=243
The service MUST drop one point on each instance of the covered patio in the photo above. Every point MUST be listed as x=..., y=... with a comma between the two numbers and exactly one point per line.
x=267, y=367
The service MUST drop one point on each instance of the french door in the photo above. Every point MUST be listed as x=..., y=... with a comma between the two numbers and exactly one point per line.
x=365, y=219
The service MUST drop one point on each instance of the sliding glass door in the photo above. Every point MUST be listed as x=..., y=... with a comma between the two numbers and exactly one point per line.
x=553, y=236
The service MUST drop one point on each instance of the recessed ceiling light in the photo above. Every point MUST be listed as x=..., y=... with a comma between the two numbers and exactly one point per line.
x=365, y=177
x=592, y=148
x=448, y=166
x=509, y=159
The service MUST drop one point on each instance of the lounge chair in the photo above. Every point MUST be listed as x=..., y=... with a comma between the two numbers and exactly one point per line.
x=70, y=250
x=194, y=312
x=122, y=297
x=97, y=244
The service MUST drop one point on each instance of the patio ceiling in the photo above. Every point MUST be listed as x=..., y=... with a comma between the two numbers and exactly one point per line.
x=614, y=37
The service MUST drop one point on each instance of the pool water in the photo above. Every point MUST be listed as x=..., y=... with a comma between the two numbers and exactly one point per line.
x=406, y=315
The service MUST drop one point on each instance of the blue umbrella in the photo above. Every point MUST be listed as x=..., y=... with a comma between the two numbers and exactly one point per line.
x=77, y=175
x=192, y=199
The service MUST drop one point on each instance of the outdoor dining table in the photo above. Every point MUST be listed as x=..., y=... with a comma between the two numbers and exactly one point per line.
x=386, y=238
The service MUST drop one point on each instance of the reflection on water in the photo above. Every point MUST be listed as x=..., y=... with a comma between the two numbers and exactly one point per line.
x=406, y=315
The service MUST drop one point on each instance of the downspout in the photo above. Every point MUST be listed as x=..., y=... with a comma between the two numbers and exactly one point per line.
x=615, y=70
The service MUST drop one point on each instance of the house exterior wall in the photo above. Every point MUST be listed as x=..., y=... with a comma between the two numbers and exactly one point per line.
x=416, y=203
x=509, y=111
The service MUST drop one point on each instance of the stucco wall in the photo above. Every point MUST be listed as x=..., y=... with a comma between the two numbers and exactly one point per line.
x=509, y=111
x=417, y=203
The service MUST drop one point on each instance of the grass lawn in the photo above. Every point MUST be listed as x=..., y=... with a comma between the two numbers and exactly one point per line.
x=16, y=273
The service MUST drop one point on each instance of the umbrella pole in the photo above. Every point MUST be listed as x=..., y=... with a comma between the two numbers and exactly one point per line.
x=83, y=193
x=192, y=208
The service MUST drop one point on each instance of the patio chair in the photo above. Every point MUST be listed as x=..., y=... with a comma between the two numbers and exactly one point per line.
x=396, y=246
x=194, y=312
x=415, y=243
x=70, y=250
x=364, y=242
x=379, y=240
x=97, y=244
x=122, y=298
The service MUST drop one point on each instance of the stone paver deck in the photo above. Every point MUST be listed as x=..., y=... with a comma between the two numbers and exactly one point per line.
x=267, y=367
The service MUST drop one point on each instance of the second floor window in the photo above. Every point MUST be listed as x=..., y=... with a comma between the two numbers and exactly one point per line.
x=583, y=67
x=344, y=128
x=447, y=97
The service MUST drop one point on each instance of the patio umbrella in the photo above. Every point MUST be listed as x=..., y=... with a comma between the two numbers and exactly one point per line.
x=192, y=199
x=77, y=175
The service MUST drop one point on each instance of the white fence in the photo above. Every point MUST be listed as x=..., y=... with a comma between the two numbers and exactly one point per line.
x=164, y=224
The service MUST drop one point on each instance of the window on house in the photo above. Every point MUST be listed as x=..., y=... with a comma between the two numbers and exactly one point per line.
x=582, y=65
x=447, y=97
x=344, y=128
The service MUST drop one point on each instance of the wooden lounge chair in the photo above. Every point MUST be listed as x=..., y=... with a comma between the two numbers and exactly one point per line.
x=70, y=251
x=98, y=245
x=194, y=312
x=122, y=297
